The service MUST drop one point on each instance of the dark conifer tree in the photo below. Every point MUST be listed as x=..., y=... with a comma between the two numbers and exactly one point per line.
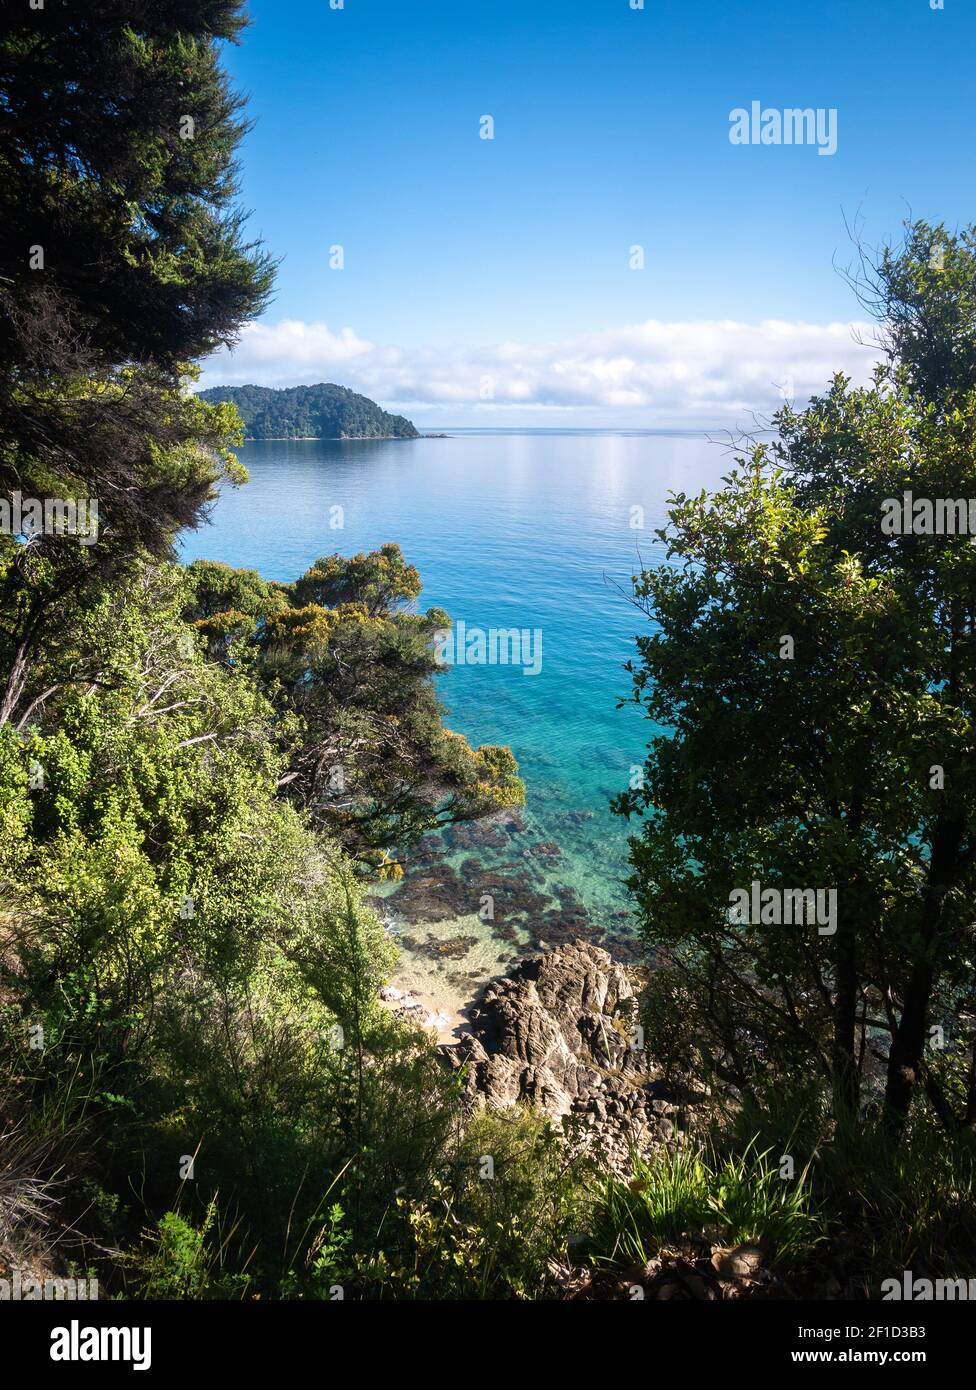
x=122, y=259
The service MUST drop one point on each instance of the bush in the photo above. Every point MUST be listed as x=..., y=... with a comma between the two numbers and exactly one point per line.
x=891, y=1205
x=494, y=1221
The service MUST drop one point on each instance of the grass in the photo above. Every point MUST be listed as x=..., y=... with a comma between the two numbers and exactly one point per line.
x=690, y=1195
x=888, y=1206
x=42, y=1136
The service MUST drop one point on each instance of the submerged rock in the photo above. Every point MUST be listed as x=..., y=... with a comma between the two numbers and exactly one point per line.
x=440, y=948
x=544, y=849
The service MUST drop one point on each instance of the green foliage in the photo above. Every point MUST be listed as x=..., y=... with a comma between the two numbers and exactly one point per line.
x=310, y=412
x=378, y=581
x=98, y=168
x=689, y=1194
x=351, y=671
x=192, y=948
x=178, y=1260
x=121, y=260
x=887, y=1206
x=924, y=294
x=816, y=770
x=490, y=1223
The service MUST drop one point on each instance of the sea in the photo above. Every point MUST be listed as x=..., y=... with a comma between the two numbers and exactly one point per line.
x=538, y=531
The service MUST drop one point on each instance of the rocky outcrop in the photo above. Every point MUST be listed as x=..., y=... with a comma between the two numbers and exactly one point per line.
x=561, y=1032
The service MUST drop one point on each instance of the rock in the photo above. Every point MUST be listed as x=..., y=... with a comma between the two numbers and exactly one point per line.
x=555, y=1031
x=440, y=948
x=744, y=1262
x=412, y=1011
x=546, y=849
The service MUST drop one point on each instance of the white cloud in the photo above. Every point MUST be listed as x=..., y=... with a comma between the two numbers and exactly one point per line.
x=653, y=373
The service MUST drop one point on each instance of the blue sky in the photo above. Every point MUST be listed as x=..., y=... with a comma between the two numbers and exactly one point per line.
x=490, y=279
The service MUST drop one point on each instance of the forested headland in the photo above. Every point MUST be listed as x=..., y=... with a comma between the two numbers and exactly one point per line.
x=309, y=412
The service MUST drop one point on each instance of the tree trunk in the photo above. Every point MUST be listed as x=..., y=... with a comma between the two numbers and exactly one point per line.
x=845, y=1078
x=908, y=1043
x=907, y=1046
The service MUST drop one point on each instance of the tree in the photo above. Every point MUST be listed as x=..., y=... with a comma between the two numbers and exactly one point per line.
x=924, y=295
x=813, y=680
x=121, y=259
x=350, y=672
x=118, y=130
x=324, y=411
x=202, y=966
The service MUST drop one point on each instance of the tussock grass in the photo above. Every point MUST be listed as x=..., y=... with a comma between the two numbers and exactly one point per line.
x=691, y=1194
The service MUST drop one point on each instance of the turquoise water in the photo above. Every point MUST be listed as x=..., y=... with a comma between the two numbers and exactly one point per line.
x=527, y=530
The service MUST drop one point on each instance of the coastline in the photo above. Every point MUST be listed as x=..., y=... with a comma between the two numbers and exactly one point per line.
x=443, y=967
x=327, y=438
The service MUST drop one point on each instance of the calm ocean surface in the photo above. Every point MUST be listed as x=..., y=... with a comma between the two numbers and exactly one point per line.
x=527, y=530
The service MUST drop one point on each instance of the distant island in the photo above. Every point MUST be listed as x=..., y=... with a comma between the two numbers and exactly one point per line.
x=324, y=411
